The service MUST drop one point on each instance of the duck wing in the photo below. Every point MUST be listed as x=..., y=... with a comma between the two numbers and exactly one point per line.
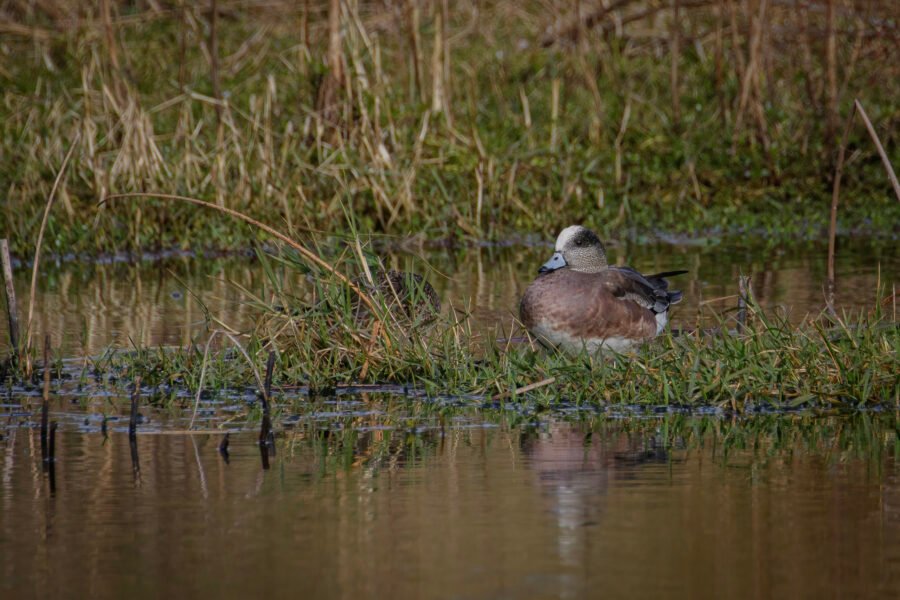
x=650, y=291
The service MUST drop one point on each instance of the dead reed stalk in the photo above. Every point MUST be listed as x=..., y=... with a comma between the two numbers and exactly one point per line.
x=214, y=56
x=836, y=191
x=675, y=55
x=37, y=251
x=307, y=254
x=334, y=79
x=266, y=436
x=133, y=417
x=412, y=25
x=831, y=69
x=11, y=308
x=892, y=176
x=832, y=223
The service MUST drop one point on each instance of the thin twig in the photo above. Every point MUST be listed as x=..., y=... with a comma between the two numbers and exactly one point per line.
x=527, y=388
x=308, y=254
x=133, y=418
x=202, y=377
x=884, y=157
x=832, y=224
x=40, y=240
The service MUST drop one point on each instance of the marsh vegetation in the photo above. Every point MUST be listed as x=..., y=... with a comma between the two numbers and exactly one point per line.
x=268, y=256
x=448, y=120
x=341, y=127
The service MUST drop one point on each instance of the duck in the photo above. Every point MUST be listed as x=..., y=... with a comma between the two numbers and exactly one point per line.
x=580, y=303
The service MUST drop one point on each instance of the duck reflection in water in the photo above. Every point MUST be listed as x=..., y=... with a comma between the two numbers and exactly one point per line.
x=577, y=467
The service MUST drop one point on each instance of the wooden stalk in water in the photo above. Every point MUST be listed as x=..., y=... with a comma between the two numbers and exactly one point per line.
x=223, y=448
x=135, y=459
x=132, y=430
x=267, y=388
x=266, y=438
x=132, y=421
x=11, y=310
x=45, y=403
x=51, y=461
x=51, y=457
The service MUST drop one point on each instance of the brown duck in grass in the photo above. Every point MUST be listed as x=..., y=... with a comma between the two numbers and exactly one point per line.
x=579, y=302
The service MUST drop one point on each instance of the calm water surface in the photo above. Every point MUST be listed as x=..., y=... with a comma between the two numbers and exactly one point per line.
x=480, y=509
x=87, y=308
x=373, y=495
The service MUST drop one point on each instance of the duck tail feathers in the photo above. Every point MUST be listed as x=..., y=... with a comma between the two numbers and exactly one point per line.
x=665, y=274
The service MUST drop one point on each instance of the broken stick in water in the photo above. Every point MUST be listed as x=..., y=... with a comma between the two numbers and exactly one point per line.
x=132, y=431
x=45, y=402
x=51, y=462
x=223, y=448
x=132, y=421
x=266, y=437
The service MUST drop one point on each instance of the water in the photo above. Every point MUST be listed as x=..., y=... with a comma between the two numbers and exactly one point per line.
x=480, y=509
x=89, y=307
x=375, y=494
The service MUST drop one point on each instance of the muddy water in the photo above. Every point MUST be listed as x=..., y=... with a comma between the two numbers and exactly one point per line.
x=373, y=495
x=88, y=307
x=481, y=508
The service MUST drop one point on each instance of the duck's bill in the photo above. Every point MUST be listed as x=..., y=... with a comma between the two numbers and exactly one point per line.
x=556, y=262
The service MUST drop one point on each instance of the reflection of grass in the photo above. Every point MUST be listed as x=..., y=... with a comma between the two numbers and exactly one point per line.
x=345, y=443
x=611, y=149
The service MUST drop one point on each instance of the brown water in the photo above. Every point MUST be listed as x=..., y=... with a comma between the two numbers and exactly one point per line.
x=479, y=509
x=380, y=495
x=89, y=307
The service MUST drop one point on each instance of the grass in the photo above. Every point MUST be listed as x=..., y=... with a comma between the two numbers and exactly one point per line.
x=500, y=135
x=458, y=123
x=843, y=361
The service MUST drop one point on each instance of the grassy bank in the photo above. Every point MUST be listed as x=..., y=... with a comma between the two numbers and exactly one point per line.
x=445, y=120
x=322, y=335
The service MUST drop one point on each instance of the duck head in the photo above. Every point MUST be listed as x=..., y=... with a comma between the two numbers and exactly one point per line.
x=579, y=249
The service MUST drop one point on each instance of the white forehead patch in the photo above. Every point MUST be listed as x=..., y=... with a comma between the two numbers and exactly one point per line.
x=566, y=235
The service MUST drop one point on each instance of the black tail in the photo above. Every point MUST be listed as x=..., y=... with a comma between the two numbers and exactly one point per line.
x=666, y=274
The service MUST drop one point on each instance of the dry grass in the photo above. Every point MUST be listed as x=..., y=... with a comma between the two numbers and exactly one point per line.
x=449, y=118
